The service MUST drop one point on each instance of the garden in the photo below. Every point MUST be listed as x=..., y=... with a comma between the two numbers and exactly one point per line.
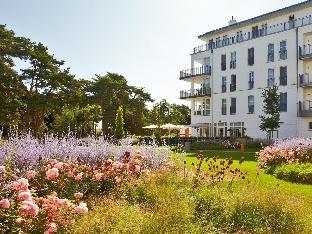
x=97, y=185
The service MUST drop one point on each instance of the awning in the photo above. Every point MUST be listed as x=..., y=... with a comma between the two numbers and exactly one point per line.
x=199, y=125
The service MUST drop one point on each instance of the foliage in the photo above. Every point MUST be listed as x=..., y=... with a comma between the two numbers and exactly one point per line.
x=270, y=121
x=296, y=173
x=82, y=120
x=119, y=124
x=110, y=92
x=164, y=112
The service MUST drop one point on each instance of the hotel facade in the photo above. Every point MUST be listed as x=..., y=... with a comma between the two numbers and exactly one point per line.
x=235, y=63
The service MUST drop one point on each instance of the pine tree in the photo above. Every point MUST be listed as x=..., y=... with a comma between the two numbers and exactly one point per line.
x=119, y=124
x=270, y=121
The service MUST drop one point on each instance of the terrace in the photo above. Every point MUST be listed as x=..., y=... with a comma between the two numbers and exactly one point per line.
x=194, y=93
x=196, y=71
x=305, y=108
x=304, y=80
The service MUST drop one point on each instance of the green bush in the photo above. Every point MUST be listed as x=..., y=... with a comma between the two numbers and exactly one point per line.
x=297, y=173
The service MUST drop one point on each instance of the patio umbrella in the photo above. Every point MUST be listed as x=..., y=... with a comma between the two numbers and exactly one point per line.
x=153, y=126
x=170, y=126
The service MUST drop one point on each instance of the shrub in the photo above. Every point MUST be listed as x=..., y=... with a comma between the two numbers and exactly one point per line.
x=295, y=150
x=297, y=173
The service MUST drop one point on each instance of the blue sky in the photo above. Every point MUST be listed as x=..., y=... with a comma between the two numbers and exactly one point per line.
x=147, y=41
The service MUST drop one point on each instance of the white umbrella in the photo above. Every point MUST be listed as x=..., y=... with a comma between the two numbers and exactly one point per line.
x=170, y=126
x=153, y=126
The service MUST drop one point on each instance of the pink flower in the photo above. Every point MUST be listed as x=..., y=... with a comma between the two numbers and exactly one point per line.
x=82, y=208
x=98, y=176
x=31, y=174
x=117, y=165
x=59, y=165
x=52, y=173
x=29, y=209
x=2, y=169
x=19, y=220
x=5, y=203
x=52, y=227
x=26, y=196
x=20, y=185
x=78, y=195
x=137, y=168
x=79, y=176
x=117, y=179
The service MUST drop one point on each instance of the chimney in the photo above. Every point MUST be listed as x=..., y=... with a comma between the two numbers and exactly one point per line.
x=232, y=21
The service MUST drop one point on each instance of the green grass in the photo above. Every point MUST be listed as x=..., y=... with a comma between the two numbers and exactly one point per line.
x=265, y=181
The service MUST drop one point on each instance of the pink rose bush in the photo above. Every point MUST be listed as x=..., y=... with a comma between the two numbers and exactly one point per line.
x=49, y=197
x=295, y=150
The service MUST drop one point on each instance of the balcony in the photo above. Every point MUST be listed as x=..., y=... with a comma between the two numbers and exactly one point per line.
x=305, y=108
x=283, y=54
x=255, y=33
x=305, y=52
x=304, y=80
x=232, y=87
x=202, y=92
x=196, y=71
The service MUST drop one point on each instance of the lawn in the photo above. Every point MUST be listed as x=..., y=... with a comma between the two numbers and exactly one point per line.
x=265, y=181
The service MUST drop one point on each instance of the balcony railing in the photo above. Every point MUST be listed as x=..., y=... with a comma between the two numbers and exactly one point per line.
x=305, y=51
x=251, y=109
x=283, y=81
x=232, y=87
x=202, y=92
x=262, y=32
x=283, y=54
x=304, y=80
x=305, y=108
x=196, y=71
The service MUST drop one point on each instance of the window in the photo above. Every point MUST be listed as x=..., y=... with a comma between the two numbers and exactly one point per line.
x=255, y=32
x=283, y=50
x=251, y=59
x=271, y=52
x=271, y=79
x=223, y=62
x=251, y=79
x=310, y=125
x=233, y=60
x=233, y=83
x=223, y=86
x=251, y=104
x=197, y=108
x=283, y=75
x=233, y=106
x=206, y=107
x=223, y=107
x=283, y=102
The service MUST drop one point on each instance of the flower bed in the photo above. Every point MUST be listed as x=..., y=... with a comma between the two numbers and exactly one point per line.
x=46, y=185
x=295, y=150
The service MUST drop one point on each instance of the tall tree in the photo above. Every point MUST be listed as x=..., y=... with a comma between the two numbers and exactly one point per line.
x=110, y=92
x=270, y=121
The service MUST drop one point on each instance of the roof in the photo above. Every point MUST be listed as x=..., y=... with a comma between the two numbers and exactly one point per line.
x=257, y=18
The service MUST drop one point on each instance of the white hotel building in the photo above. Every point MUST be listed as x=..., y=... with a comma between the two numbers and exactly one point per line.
x=229, y=71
